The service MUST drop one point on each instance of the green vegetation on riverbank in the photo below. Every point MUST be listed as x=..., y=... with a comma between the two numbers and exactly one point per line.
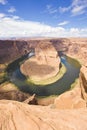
x=3, y=73
x=50, y=80
x=73, y=85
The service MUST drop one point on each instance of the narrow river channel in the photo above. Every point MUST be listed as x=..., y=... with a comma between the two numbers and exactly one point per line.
x=60, y=86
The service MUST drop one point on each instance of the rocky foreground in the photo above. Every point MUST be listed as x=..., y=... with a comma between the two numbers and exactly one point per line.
x=20, y=116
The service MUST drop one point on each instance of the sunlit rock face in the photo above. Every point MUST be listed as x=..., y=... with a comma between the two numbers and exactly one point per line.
x=77, y=97
x=12, y=49
x=45, y=53
x=83, y=82
x=44, y=64
x=70, y=100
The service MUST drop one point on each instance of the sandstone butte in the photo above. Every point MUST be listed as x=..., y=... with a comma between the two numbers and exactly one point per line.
x=44, y=65
x=67, y=112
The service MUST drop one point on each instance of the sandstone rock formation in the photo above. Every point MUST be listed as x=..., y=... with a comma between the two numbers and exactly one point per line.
x=45, y=64
x=20, y=116
x=83, y=82
x=74, y=47
x=10, y=92
x=45, y=53
x=70, y=100
x=14, y=95
x=77, y=48
x=19, y=47
x=12, y=49
x=31, y=100
x=77, y=97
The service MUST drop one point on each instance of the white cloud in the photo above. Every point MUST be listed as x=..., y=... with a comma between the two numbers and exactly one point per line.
x=50, y=9
x=15, y=27
x=2, y=15
x=78, y=10
x=3, y=2
x=79, y=2
x=64, y=9
x=63, y=23
x=15, y=17
x=77, y=7
x=12, y=10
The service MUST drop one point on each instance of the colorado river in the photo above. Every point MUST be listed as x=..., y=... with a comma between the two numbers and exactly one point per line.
x=60, y=86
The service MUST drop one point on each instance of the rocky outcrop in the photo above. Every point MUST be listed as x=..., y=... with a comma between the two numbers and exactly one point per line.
x=74, y=47
x=70, y=100
x=77, y=97
x=44, y=65
x=12, y=49
x=45, y=53
x=83, y=82
x=14, y=95
x=20, y=116
x=31, y=100
x=77, y=49
x=10, y=92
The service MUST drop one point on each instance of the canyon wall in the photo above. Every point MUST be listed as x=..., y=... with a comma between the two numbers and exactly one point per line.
x=12, y=49
x=83, y=82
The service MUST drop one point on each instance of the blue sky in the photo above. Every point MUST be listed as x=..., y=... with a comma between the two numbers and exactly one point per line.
x=49, y=18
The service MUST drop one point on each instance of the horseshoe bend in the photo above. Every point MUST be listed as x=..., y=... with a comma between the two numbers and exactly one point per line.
x=21, y=110
x=44, y=65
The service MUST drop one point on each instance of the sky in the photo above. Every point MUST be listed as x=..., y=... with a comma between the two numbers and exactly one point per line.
x=43, y=18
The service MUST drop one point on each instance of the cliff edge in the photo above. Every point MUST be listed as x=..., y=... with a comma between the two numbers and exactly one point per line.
x=20, y=116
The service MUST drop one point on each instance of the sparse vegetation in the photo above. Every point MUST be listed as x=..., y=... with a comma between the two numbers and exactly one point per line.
x=75, y=83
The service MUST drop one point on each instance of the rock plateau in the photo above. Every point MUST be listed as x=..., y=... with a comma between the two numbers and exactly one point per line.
x=44, y=65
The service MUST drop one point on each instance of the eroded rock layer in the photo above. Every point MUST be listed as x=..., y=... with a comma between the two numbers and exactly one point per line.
x=70, y=100
x=12, y=49
x=83, y=82
x=20, y=116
